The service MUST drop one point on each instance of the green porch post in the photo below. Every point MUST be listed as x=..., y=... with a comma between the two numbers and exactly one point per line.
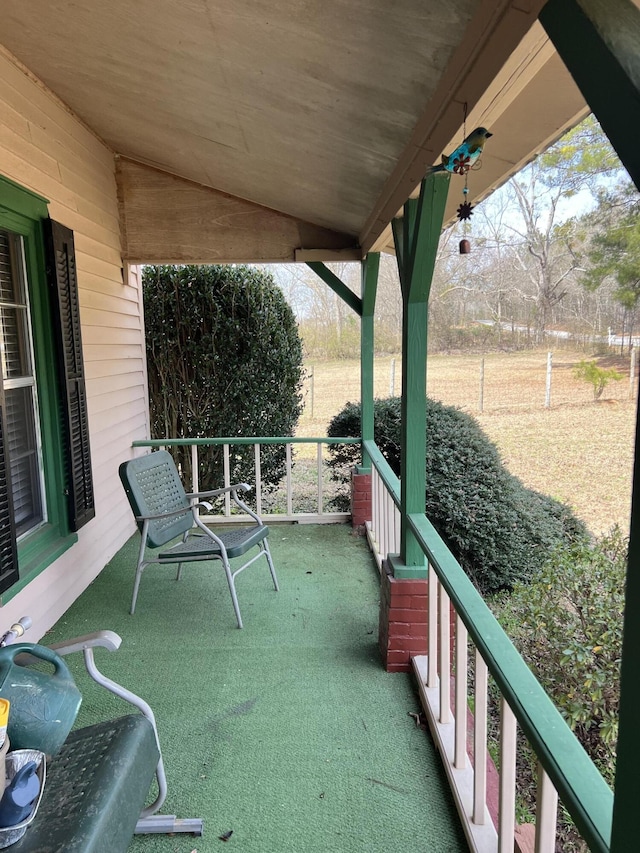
x=598, y=41
x=416, y=237
x=370, y=267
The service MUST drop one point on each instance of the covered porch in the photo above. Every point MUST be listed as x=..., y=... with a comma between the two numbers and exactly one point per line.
x=289, y=732
x=263, y=136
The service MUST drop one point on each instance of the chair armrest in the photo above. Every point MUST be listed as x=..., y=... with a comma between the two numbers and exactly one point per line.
x=242, y=487
x=100, y=639
x=159, y=515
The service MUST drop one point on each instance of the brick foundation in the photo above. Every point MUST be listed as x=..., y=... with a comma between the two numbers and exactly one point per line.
x=360, y=498
x=403, y=621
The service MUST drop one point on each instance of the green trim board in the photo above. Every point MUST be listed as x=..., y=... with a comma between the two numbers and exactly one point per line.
x=337, y=285
x=580, y=786
x=417, y=239
x=370, y=269
x=17, y=198
x=598, y=41
x=236, y=439
x=23, y=212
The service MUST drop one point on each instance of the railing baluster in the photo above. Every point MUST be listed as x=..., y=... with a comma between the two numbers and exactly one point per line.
x=460, y=752
x=388, y=522
x=226, y=466
x=432, y=626
x=256, y=451
x=508, y=730
x=319, y=461
x=289, y=481
x=445, y=658
x=396, y=529
x=195, y=480
x=382, y=539
x=480, y=741
x=546, y=814
x=375, y=479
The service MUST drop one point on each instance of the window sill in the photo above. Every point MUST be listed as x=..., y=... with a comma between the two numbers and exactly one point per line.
x=36, y=554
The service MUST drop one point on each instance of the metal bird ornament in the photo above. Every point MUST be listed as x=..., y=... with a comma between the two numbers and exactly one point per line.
x=465, y=155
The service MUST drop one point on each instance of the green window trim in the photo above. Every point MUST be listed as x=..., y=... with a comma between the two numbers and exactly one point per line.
x=50, y=265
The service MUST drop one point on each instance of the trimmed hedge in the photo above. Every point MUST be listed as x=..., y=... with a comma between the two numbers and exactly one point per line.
x=224, y=359
x=500, y=531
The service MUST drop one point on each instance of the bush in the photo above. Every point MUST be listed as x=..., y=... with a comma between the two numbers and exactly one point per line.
x=597, y=377
x=568, y=627
x=224, y=359
x=500, y=531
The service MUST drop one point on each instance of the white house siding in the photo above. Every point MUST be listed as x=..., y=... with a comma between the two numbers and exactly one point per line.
x=44, y=148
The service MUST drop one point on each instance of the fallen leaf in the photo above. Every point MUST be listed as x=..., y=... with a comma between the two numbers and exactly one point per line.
x=226, y=835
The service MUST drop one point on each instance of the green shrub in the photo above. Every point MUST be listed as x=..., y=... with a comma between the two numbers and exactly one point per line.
x=224, y=359
x=597, y=377
x=568, y=627
x=500, y=531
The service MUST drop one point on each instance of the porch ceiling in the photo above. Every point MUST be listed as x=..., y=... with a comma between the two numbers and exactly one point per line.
x=328, y=113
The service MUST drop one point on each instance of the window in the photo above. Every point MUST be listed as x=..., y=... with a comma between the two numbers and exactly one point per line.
x=46, y=491
x=20, y=392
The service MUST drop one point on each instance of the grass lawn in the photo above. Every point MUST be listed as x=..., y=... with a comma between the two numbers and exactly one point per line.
x=578, y=450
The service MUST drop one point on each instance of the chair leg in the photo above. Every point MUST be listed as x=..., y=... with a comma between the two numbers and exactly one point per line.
x=272, y=569
x=232, y=589
x=179, y=572
x=139, y=569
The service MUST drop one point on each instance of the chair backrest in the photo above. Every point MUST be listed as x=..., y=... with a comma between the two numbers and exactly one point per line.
x=153, y=486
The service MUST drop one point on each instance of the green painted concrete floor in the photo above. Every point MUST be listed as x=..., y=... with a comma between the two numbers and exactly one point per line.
x=288, y=732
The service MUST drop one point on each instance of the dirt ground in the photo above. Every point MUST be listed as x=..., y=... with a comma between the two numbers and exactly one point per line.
x=578, y=449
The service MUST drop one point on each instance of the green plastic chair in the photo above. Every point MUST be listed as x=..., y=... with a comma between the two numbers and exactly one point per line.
x=164, y=512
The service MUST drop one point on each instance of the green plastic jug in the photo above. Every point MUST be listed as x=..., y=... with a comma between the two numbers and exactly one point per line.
x=44, y=705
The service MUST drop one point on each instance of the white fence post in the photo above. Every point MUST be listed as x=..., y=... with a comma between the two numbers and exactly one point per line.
x=547, y=399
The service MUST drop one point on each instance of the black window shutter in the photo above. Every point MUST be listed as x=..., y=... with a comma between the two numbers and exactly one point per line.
x=63, y=283
x=8, y=549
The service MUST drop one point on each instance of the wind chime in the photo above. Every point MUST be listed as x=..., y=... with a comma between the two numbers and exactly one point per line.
x=464, y=158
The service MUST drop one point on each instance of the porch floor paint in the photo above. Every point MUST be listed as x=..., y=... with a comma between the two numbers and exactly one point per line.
x=288, y=732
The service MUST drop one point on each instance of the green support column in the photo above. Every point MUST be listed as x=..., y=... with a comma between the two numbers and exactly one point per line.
x=416, y=237
x=370, y=268
x=598, y=41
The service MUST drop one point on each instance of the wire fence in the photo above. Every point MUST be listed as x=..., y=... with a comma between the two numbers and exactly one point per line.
x=477, y=383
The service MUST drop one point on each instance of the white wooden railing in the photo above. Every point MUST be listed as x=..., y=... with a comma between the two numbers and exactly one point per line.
x=287, y=509
x=461, y=736
x=383, y=531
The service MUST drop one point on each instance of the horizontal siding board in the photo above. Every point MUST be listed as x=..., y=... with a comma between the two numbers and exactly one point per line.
x=110, y=417
x=12, y=118
x=13, y=143
x=109, y=302
x=112, y=384
x=79, y=224
x=120, y=398
x=114, y=338
x=102, y=352
x=111, y=438
x=98, y=249
x=32, y=100
x=119, y=367
x=73, y=159
x=44, y=148
x=27, y=175
x=87, y=189
x=109, y=319
x=100, y=268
